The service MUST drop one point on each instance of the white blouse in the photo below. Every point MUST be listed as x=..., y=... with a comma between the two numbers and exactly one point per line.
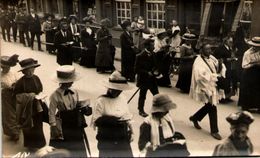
x=111, y=107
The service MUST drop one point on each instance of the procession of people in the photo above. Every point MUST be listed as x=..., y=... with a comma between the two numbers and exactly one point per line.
x=149, y=58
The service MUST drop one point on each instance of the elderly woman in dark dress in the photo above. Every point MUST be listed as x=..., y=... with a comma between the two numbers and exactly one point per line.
x=105, y=54
x=88, y=40
x=8, y=80
x=29, y=109
x=128, y=52
x=187, y=59
x=66, y=114
x=49, y=29
x=238, y=143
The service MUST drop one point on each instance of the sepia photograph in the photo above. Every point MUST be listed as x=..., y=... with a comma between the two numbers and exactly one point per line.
x=129, y=78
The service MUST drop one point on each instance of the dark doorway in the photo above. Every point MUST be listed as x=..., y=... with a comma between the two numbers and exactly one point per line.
x=215, y=19
x=217, y=27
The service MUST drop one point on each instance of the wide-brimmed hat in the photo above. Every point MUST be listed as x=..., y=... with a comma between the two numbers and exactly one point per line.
x=88, y=19
x=49, y=15
x=243, y=117
x=11, y=61
x=125, y=23
x=189, y=36
x=73, y=16
x=161, y=33
x=162, y=103
x=255, y=41
x=117, y=81
x=63, y=20
x=105, y=22
x=66, y=74
x=28, y=63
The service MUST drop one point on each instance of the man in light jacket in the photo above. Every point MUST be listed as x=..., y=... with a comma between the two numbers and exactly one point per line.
x=205, y=75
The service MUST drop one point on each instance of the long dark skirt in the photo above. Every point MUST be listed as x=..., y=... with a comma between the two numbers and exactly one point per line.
x=250, y=89
x=73, y=136
x=185, y=73
x=50, y=39
x=34, y=137
x=88, y=58
x=10, y=126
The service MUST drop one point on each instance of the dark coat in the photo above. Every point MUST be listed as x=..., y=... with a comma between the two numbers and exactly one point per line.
x=104, y=56
x=127, y=55
x=231, y=77
x=34, y=24
x=64, y=54
x=109, y=141
x=33, y=137
x=143, y=65
x=88, y=55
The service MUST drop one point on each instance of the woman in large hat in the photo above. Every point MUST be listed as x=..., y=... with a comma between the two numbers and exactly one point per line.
x=87, y=35
x=186, y=62
x=128, y=52
x=8, y=79
x=112, y=117
x=238, y=143
x=28, y=107
x=249, y=86
x=105, y=55
x=49, y=29
x=68, y=123
x=157, y=132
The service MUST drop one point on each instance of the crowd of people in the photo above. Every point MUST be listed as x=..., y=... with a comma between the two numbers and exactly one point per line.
x=148, y=58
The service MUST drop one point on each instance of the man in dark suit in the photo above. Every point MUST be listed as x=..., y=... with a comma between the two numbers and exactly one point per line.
x=127, y=52
x=35, y=28
x=22, y=24
x=75, y=31
x=226, y=53
x=63, y=41
x=6, y=24
x=146, y=69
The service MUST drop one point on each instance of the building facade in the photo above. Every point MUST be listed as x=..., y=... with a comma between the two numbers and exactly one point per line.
x=212, y=18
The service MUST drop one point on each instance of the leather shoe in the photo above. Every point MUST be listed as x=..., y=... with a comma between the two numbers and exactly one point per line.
x=195, y=123
x=216, y=136
x=143, y=114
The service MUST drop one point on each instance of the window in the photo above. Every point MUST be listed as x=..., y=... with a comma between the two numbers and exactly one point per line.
x=155, y=13
x=123, y=11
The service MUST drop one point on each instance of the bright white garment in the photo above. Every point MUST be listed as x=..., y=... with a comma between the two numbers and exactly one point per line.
x=250, y=58
x=203, y=82
x=158, y=44
x=117, y=107
x=8, y=79
x=167, y=131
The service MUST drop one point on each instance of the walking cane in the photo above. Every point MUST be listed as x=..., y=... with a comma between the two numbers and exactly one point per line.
x=133, y=96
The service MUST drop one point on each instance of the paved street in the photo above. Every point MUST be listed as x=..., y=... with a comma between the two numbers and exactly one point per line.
x=199, y=141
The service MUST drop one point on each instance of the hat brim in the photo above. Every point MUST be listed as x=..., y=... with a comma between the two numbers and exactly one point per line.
x=56, y=79
x=117, y=86
x=189, y=39
x=30, y=66
x=164, y=108
x=253, y=43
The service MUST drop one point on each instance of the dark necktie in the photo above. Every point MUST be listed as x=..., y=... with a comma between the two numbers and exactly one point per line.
x=67, y=91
